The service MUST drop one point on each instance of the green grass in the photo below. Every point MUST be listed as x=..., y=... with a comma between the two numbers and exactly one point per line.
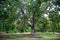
x=31, y=39
x=47, y=36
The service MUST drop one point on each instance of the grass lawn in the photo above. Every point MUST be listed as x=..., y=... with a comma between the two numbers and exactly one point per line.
x=45, y=35
x=31, y=39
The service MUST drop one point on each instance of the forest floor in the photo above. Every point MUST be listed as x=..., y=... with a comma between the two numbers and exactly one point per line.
x=38, y=35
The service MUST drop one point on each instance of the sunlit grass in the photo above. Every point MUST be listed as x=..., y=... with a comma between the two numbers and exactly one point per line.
x=46, y=36
x=31, y=39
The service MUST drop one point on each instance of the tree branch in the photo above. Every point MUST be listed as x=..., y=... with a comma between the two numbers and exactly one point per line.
x=25, y=17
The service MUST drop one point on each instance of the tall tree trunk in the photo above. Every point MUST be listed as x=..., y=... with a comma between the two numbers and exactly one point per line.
x=33, y=25
x=32, y=29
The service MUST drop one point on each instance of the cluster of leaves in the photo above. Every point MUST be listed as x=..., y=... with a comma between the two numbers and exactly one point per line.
x=26, y=11
x=7, y=15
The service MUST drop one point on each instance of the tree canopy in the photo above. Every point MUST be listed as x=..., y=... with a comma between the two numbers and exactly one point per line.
x=30, y=15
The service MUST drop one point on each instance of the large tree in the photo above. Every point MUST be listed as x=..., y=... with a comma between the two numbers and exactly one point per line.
x=32, y=11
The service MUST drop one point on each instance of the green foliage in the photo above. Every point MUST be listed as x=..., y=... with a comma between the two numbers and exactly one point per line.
x=57, y=2
x=13, y=10
x=7, y=16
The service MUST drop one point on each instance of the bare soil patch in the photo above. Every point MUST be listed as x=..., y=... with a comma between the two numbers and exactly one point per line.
x=21, y=36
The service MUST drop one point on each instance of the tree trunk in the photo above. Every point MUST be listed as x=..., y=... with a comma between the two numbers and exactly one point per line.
x=32, y=30
x=33, y=25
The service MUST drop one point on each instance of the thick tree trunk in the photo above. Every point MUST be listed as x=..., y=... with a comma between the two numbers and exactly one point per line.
x=33, y=25
x=32, y=30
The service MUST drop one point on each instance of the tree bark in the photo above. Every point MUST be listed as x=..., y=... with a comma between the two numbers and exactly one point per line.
x=33, y=25
x=33, y=29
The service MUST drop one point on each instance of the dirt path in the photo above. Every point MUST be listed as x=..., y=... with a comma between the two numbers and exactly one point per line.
x=26, y=36
x=21, y=36
x=6, y=36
